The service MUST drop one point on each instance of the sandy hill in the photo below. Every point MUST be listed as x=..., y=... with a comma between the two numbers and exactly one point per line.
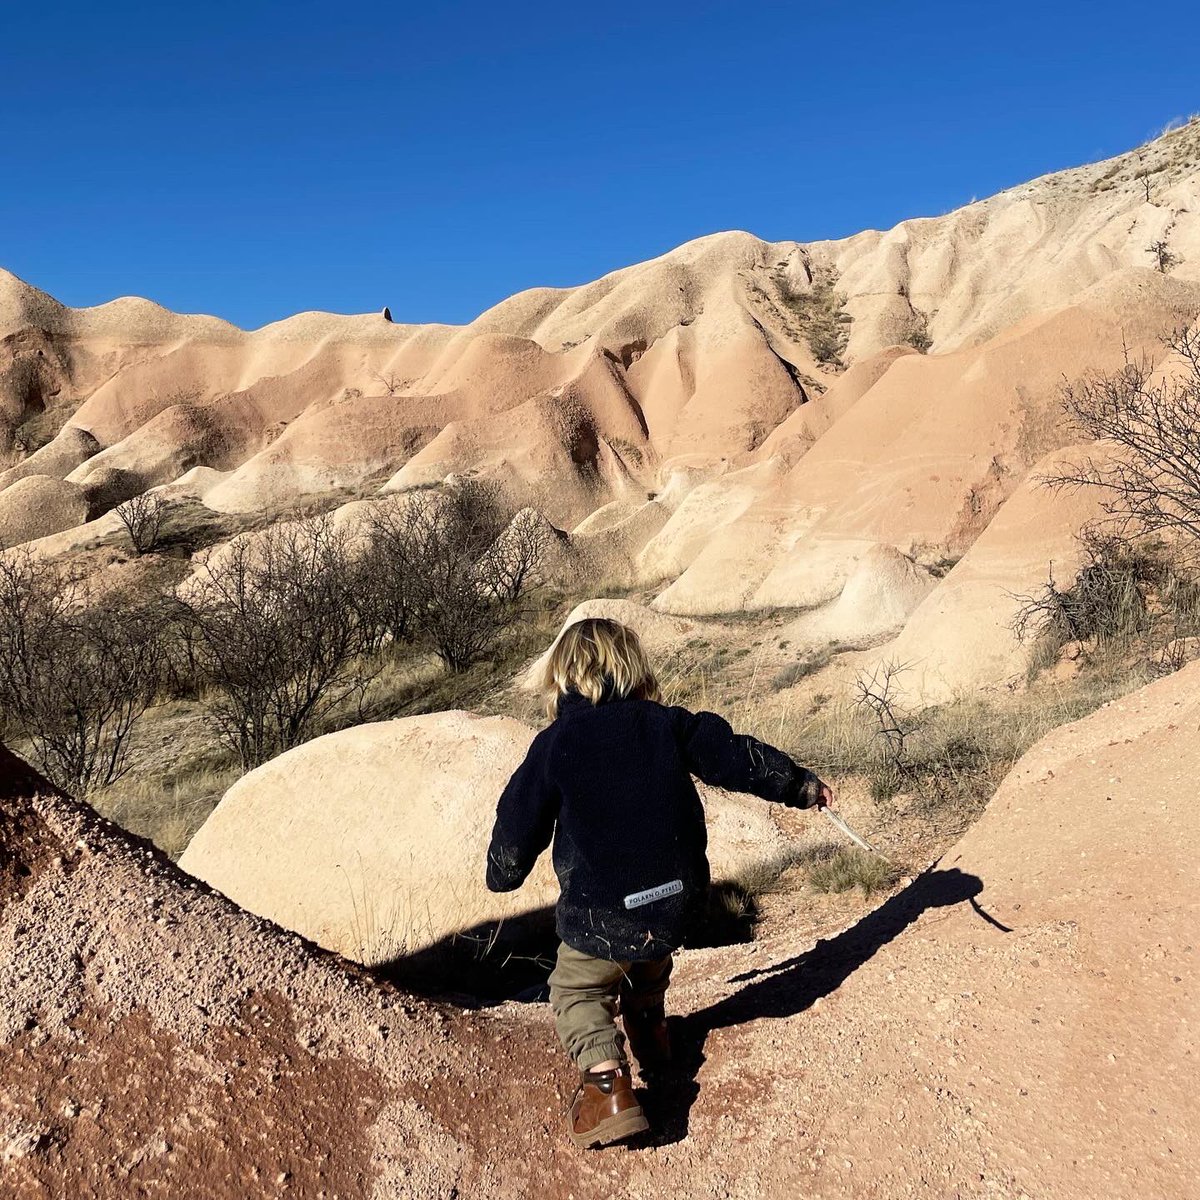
x=155, y=1039
x=749, y=424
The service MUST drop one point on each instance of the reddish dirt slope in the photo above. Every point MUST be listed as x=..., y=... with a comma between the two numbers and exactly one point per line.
x=1021, y=1021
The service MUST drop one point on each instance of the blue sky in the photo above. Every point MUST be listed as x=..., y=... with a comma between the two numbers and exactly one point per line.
x=253, y=160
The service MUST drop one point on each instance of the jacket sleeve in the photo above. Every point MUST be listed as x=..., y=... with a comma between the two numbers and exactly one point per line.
x=525, y=819
x=741, y=763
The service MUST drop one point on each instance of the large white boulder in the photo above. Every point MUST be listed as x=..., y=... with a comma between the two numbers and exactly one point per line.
x=373, y=841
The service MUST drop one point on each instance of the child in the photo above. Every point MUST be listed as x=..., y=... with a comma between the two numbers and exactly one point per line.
x=610, y=780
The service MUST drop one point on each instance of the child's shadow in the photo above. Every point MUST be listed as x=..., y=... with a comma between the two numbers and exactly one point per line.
x=789, y=987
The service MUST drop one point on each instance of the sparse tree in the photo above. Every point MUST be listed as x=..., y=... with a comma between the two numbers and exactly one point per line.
x=74, y=676
x=143, y=516
x=1163, y=257
x=277, y=634
x=449, y=565
x=1151, y=484
x=513, y=562
x=452, y=532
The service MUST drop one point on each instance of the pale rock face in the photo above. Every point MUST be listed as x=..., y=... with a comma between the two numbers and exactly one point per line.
x=373, y=841
x=575, y=396
x=56, y=459
x=38, y=506
x=673, y=413
x=921, y=460
x=960, y=636
x=883, y=589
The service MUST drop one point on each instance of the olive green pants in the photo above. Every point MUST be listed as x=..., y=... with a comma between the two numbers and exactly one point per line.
x=586, y=993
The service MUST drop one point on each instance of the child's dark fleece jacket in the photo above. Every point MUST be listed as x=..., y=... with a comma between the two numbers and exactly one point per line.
x=611, y=783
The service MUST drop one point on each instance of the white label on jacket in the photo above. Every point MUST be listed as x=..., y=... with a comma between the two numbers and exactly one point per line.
x=637, y=899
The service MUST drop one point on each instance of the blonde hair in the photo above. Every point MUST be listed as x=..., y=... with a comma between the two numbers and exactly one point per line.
x=599, y=659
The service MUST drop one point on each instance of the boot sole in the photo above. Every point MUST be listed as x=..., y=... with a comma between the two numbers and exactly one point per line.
x=613, y=1129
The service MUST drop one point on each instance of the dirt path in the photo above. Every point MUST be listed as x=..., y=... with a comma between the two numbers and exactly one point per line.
x=1020, y=1021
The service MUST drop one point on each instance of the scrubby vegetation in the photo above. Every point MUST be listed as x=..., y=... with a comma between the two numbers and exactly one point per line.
x=74, y=674
x=278, y=636
x=822, y=316
x=852, y=868
x=169, y=808
x=1131, y=598
x=143, y=517
x=810, y=663
x=918, y=335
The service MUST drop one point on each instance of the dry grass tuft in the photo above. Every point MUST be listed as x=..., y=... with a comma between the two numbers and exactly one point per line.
x=852, y=868
x=167, y=811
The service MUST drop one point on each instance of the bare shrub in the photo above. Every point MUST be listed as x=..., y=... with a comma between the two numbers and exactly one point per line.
x=143, y=517
x=453, y=566
x=277, y=635
x=391, y=382
x=513, y=563
x=1130, y=595
x=877, y=694
x=387, y=592
x=459, y=613
x=73, y=676
x=1163, y=258
x=1152, y=484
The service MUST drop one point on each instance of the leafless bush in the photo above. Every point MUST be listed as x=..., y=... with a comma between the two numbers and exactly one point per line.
x=391, y=383
x=277, y=635
x=1129, y=593
x=387, y=593
x=513, y=562
x=451, y=566
x=1163, y=258
x=143, y=517
x=877, y=693
x=73, y=677
x=1152, y=484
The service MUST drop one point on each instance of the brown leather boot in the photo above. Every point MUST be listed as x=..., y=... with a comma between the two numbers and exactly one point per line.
x=649, y=1038
x=604, y=1108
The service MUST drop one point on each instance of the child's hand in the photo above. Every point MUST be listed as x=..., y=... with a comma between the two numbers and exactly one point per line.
x=814, y=792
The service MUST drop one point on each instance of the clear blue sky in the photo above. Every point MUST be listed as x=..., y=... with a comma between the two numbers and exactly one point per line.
x=252, y=160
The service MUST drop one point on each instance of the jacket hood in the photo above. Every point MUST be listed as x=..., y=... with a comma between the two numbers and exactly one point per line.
x=571, y=699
